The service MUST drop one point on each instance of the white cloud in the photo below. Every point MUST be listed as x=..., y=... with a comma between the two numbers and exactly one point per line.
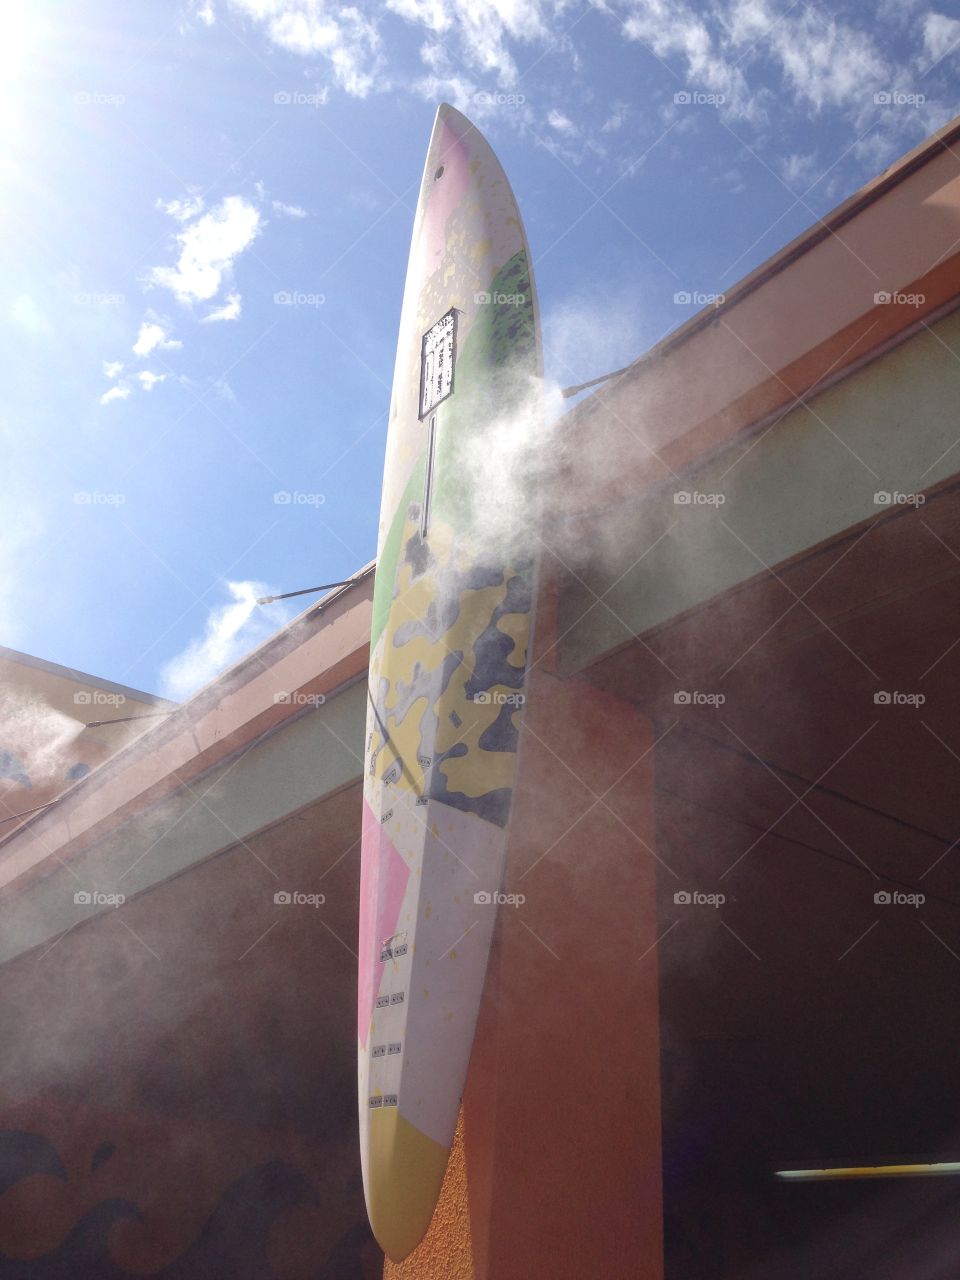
x=615, y=121
x=154, y=337
x=341, y=34
x=231, y=630
x=229, y=311
x=206, y=15
x=940, y=35
x=563, y=124
x=149, y=380
x=119, y=392
x=483, y=29
x=27, y=316
x=799, y=171
x=113, y=368
x=288, y=210
x=183, y=210
x=208, y=249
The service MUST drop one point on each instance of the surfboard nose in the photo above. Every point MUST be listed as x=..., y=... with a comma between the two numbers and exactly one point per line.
x=402, y=1180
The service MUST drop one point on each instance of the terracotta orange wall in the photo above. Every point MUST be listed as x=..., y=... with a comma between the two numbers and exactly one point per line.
x=556, y=1171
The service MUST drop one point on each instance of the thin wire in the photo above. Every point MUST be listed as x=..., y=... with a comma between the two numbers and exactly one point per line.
x=150, y=715
x=307, y=591
x=567, y=392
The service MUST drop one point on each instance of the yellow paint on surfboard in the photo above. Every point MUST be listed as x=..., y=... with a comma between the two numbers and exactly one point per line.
x=404, y=1173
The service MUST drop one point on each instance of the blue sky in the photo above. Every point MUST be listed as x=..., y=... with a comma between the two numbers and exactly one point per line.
x=170, y=168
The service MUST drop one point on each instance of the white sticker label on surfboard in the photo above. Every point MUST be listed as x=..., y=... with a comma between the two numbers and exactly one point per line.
x=437, y=357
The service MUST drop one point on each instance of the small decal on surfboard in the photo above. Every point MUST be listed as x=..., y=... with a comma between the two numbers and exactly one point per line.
x=438, y=354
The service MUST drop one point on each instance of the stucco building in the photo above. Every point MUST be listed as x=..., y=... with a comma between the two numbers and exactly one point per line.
x=738, y=951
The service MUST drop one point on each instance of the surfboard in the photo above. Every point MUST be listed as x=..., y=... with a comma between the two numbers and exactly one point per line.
x=452, y=610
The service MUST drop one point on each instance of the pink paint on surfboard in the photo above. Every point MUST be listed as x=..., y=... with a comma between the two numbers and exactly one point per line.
x=383, y=882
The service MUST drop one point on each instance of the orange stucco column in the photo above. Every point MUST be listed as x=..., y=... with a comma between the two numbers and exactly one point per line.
x=556, y=1171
